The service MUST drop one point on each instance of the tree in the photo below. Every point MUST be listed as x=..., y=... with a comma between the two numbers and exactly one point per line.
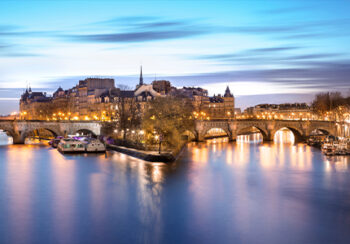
x=327, y=101
x=127, y=112
x=167, y=117
x=331, y=103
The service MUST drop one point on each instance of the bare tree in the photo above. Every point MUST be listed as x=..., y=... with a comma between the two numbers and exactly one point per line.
x=127, y=112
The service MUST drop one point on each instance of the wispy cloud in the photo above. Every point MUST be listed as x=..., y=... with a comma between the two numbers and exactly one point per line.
x=249, y=53
x=141, y=29
x=144, y=36
x=288, y=10
x=273, y=49
x=12, y=50
x=326, y=77
x=281, y=55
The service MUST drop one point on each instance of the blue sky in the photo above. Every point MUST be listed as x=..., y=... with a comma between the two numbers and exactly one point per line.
x=266, y=51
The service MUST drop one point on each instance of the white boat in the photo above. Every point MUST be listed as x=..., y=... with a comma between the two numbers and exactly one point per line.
x=80, y=146
x=95, y=146
x=71, y=146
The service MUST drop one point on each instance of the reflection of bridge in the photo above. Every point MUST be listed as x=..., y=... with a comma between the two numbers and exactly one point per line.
x=20, y=129
x=268, y=128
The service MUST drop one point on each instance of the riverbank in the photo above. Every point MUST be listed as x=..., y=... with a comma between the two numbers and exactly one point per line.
x=150, y=156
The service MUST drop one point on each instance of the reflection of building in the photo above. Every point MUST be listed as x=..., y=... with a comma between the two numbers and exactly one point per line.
x=286, y=111
x=97, y=99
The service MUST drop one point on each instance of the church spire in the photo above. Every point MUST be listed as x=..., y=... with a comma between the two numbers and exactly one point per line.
x=228, y=92
x=141, y=78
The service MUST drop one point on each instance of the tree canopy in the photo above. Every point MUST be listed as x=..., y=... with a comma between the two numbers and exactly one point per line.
x=167, y=118
x=332, y=102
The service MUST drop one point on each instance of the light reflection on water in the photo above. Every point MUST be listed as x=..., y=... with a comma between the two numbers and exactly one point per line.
x=218, y=191
x=250, y=138
x=284, y=136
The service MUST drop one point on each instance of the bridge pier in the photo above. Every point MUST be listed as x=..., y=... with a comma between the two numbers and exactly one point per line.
x=18, y=139
x=199, y=137
x=232, y=136
x=269, y=137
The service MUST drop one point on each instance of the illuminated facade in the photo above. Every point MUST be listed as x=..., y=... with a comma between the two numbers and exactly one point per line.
x=97, y=99
x=215, y=107
x=286, y=111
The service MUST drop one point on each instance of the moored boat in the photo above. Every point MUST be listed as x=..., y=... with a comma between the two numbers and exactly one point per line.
x=71, y=146
x=95, y=145
x=54, y=142
x=80, y=146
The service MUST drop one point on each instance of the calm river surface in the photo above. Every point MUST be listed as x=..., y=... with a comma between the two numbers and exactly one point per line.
x=217, y=192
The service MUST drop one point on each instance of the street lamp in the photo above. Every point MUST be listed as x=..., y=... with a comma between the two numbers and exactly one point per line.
x=159, y=139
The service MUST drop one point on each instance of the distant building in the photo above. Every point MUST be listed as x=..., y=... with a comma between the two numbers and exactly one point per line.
x=162, y=86
x=222, y=106
x=97, y=99
x=285, y=111
x=34, y=104
x=215, y=107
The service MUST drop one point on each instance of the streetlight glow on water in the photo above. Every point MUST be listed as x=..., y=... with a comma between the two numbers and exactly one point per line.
x=216, y=191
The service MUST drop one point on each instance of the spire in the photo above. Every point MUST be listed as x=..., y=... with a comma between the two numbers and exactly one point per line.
x=228, y=92
x=141, y=78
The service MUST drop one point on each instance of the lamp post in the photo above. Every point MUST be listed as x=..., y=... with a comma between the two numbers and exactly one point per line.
x=159, y=138
x=160, y=142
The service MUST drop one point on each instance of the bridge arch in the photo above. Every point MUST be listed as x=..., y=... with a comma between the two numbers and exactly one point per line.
x=297, y=133
x=324, y=130
x=218, y=130
x=33, y=131
x=327, y=127
x=254, y=129
x=85, y=132
x=7, y=132
x=189, y=135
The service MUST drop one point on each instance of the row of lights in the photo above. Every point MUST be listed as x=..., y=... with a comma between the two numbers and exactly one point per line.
x=141, y=132
x=201, y=115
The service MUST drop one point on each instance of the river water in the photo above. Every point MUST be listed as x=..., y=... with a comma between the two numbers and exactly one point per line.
x=217, y=192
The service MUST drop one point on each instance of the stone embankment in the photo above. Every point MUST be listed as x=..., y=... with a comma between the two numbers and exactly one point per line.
x=151, y=156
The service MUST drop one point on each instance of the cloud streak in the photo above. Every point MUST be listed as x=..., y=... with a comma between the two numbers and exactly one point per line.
x=144, y=36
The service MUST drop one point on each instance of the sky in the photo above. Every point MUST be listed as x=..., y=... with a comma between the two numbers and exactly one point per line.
x=266, y=51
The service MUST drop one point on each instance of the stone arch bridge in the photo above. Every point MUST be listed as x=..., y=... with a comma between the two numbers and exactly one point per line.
x=19, y=129
x=268, y=128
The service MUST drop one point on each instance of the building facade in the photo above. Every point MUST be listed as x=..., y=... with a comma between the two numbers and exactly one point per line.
x=285, y=111
x=98, y=99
